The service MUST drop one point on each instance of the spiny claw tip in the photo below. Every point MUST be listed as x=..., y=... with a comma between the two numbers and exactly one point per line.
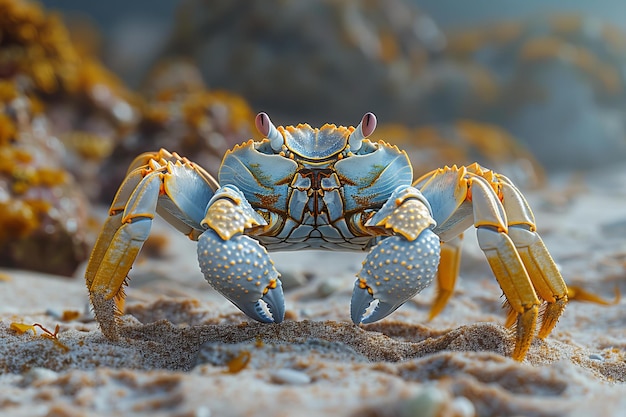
x=270, y=308
x=364, y=308
x=275, y=301
x=361, y=301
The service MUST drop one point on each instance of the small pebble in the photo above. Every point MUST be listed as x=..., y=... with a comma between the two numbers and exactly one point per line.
x=203, y=411
x=54, y=313
x=38, y=375
x=326, y=288
x=292, y=279
x=463, y=407
x=614, y=229
x=596, y=357
x=289, y=376
x=426, y=403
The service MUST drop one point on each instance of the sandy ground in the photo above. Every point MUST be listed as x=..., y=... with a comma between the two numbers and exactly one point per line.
x=188, y=352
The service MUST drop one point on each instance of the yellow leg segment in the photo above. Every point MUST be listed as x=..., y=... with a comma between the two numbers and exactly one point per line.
x=446, y=274
x=105, y=310
x=105, y=285
x=541, y=268
x=111, y=226
x=117, y=261
x=117, y=247
x=490, y=219
x=577, y=293
x=515, y=283
x=546, y=279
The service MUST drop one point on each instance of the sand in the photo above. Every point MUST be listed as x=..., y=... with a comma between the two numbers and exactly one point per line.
x=186, y=351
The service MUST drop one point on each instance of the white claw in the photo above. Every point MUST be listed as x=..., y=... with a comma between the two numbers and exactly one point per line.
x=246, y=277
x=393, y=272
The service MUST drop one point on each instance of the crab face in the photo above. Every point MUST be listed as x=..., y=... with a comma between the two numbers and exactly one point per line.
x=315, y=187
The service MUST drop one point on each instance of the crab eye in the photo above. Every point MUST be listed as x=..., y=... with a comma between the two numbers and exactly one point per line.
x=368, y=124
x=363, y=130
x=263, y=123
x=266, y=128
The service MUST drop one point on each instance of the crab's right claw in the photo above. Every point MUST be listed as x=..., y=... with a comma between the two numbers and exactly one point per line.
x=394, y=271
x=273, y=299
x=241, y=270
x=266, y=306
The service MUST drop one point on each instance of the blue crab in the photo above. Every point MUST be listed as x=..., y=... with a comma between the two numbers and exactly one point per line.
x=329, y=188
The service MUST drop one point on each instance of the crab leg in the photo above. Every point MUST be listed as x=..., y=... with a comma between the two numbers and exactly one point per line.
x=541, y=268
x=447, y=274
x=119, y=243
x=172, y=186
x=452, y=191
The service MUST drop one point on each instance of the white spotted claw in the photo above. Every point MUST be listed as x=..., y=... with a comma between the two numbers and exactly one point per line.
x=394, y=271
x=399, y=266
x=236, y=265
x=241, y=270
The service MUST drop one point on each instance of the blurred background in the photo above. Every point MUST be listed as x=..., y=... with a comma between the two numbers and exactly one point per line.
x=525, y=88
x=550, y=72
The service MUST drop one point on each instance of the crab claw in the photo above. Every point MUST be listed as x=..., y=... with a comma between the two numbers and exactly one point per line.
x=241, y=270
x=393, y=272
x=362, y=298
x=271, y=301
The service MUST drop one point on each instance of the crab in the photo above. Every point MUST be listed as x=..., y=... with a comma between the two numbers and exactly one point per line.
x=329, y=188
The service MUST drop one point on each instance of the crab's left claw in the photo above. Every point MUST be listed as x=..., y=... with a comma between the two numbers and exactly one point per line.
x=394, y=271
x=399, y=266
